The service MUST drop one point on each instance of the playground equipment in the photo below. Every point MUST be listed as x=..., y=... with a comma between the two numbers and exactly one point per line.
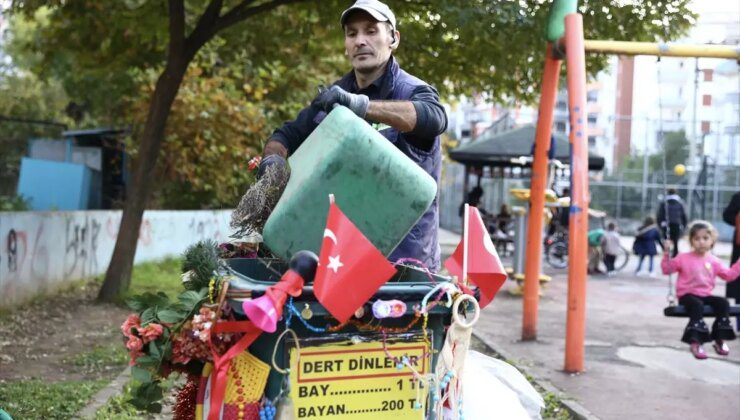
x=516, y=272
x=565, y=32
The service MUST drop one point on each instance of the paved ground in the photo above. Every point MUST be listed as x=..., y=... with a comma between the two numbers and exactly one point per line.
x=636, y=367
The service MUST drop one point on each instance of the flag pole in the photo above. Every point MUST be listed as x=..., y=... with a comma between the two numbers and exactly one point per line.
x=466, y=221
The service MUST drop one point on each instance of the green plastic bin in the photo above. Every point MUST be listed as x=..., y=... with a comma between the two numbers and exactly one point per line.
x=381, y=190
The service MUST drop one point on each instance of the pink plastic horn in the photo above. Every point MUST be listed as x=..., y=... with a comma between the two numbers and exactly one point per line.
x=266, y=310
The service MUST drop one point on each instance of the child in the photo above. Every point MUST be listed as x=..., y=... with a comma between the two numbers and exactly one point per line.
x=646, y=239
x=611, y=247
x=697, y=271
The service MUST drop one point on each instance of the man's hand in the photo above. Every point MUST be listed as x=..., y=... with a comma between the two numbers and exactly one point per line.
x=268, y=161
x=328, y=98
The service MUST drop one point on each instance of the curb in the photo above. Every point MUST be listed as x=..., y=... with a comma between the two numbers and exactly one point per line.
x=98, y=400
x=572, y=406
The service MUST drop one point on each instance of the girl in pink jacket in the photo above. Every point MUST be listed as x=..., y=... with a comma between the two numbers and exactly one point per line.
x=697, y=272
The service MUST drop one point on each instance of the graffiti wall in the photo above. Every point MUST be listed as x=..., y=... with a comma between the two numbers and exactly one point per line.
x=41, y=251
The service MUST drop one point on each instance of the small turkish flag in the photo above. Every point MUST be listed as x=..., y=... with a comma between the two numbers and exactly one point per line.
x=484, y=267
x=350, y=268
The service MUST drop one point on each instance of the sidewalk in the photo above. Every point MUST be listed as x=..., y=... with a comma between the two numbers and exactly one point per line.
x=636, y=366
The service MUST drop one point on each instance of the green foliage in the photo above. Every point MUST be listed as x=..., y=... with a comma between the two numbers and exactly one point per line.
x=675, y=147
x=201, y=260
x=100, y=358
x=251, y=77
x=554, y=409
x=14, y=203
x=154, y=277
x=38, y=399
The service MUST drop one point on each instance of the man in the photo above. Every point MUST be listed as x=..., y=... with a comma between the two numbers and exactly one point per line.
x=672, y=218
x=731, y=216
x=404, y=109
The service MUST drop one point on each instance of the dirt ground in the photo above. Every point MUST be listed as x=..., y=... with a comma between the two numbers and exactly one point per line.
x=37, y=339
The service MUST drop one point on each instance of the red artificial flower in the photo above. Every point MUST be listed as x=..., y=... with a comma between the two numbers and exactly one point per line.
x=151, y=332
x=254, y=162
x=133, y=321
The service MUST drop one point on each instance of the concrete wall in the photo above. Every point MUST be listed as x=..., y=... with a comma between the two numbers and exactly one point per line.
x=41, y=251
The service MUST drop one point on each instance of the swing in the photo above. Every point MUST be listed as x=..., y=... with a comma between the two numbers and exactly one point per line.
x=674, y=309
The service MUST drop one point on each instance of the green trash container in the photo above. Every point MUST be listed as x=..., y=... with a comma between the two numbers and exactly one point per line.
x=379, y=188
x=409, y=285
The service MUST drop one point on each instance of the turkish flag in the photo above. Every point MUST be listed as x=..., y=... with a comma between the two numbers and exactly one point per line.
x=484, y=267
x=350, y=268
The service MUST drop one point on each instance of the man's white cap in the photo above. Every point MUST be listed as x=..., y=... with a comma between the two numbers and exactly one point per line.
x=378, y=10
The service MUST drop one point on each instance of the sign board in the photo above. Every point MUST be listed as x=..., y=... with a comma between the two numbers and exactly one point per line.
x=357, y=380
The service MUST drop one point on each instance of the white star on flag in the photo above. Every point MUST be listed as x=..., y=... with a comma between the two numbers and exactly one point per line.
x=334, y=263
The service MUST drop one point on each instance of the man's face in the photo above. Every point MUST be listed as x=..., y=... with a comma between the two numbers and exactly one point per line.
x=367, y=41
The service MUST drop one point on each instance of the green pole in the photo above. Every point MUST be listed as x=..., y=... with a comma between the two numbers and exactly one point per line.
x=556, y=19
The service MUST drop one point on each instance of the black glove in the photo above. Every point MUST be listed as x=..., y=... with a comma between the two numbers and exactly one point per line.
x=328, y=98
x=268, y=161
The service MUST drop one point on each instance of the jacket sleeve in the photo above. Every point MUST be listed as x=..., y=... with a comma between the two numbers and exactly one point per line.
x=660, y=217
x=730, y=212
x=431, y=118
x=292, y=133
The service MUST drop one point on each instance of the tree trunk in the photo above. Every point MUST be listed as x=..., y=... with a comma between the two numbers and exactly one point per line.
x=118, y=276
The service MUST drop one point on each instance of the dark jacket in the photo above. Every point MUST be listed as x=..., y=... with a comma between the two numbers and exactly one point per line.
x=646, y=240
x=731, y=216
x=676, y=212
x=421, y=145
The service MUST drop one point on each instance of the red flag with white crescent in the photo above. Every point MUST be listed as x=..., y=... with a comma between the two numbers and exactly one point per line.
x=484, y=266
x=350, y=268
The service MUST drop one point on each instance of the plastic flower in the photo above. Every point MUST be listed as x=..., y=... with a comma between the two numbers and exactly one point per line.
x=254, y=162
x=133, y=321
x=203, y=322
x=134, y=344
x=151, y=332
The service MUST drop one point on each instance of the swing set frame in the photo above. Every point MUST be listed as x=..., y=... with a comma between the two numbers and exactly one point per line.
x=565, y=41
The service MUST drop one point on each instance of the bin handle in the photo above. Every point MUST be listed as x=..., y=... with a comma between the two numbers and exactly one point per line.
x=277, y=343
x=456, y=314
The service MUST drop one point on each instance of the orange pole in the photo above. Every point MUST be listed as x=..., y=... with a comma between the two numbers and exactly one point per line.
x=575, y=329
x=548, y=96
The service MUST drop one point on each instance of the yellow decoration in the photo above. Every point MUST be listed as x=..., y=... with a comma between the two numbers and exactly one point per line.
x=247, y=379
x=524, y=193
x=679, y=170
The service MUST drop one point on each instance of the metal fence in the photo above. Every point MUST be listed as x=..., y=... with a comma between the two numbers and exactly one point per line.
x=629, y=196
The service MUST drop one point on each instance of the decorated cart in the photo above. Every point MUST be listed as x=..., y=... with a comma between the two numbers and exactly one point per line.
x=315, y=322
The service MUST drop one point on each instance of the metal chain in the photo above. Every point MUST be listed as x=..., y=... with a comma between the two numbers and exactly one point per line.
x=671, y=296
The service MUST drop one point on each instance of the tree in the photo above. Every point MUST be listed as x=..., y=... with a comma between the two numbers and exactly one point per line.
x=458, y=45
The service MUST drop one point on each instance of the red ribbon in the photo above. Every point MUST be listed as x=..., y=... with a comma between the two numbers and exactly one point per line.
x=222, y=363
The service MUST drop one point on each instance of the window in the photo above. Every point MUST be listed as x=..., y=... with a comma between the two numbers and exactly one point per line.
x=708, y=74
x=706, y=100
x=560, y=126
x=592, y=118
x=592, y=141
x=562, y=106
x=705, y=127
x=592, y=95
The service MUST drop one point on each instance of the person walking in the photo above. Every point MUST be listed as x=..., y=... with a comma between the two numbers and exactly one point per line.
x=645, y=245
x=672, y=218
x=610, y=246
x=731, y=216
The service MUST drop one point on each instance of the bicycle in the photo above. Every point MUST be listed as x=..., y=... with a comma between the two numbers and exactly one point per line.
x=556, y=252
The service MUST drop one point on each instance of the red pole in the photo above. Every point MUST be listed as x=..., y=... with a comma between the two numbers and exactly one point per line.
x=532, y=268
x=575, y=330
